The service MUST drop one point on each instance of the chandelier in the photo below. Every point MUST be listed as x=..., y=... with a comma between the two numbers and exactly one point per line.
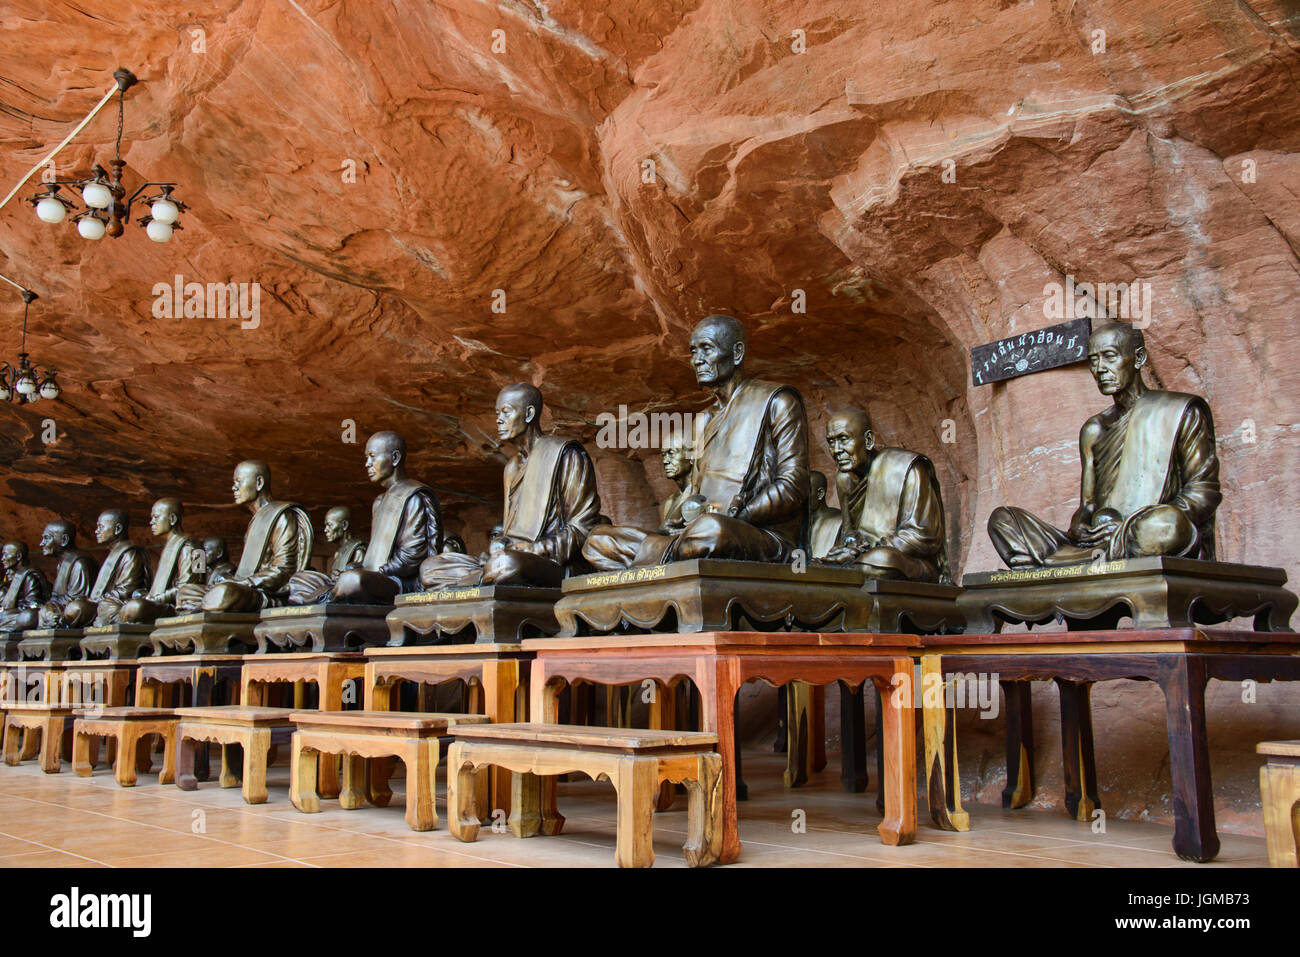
x=107, y=208
x=25, y=382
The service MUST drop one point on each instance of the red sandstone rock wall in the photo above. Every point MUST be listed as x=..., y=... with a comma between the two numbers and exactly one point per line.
x=912, y=178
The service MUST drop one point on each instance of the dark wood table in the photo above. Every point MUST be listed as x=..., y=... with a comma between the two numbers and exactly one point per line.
x=1180, y=660
x=719, y=663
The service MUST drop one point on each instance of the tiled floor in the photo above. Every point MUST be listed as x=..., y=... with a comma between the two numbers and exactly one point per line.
x=66, y=821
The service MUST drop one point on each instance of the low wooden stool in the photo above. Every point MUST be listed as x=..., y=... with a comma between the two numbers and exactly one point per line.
x=636, y=762
x=254, y=729
x=51, y=720
x=362, y=735
x=133, y=730
x=1279, y=787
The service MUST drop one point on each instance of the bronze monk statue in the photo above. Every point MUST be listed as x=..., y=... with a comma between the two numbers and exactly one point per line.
x=823, y=521
x=277, y=544
x=216, y=560
x=125, y=568
x=181, y=563
x=26, y=591
x=551, y=505
x=1150, y=472
x=891, y=510
x=73, y=575
x=405, y=530
x=350, y=551
x=751, y=466
x=617, y=548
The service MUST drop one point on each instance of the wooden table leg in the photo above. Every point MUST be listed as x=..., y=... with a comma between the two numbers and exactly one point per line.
x=329, y=683
x=636, y=782
x=132, y=751
x=82, y=764
x=662, y=708
x=704, y=813
x=32, y=740
x=352, y=790
x=544, y=706
x=943, y=782
x=462, y=815
x=167, y=773
x=818, y=729
x=185, y=777
x=500, y=682
x=1183, y=678
x=853, y=738
x=421, y=771
x=256, y=746
x=877, y=700
x=898, y=734
x=718, y=680
x=228, y=777
x=799, y=721
x=1077, y=753
x=1020, y=743
x=525, y=818
x=302, y=778
x=12, y=743
x=51, y=742
x=1279, y=790
x=378, y=772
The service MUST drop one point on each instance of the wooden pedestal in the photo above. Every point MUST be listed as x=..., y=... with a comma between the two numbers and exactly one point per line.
x=116, y=642
x=50, y=644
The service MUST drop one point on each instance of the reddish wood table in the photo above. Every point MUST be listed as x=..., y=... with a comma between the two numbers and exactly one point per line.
x=1180, y=660
x=719, y=663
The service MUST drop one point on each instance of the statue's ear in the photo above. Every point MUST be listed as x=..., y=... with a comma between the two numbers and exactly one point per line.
x=261, y=482
x=1140, y=357
x=869, y=438
x=530, y=414
x=397, y=457
x=738, y=353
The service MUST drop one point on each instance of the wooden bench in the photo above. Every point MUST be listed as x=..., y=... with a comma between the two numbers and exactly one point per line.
x=366, y=739
x=24, y=718
x=133, y=730
x=254, y=730
x=1279, y=787
x=636, y=762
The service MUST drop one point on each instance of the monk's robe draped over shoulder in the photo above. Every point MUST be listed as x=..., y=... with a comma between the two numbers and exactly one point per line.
x=405, y=529
x=551, y=498
x=897, y=506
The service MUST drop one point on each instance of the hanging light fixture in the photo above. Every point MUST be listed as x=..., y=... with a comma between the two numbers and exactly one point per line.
x=25, y=382
x=107, y=208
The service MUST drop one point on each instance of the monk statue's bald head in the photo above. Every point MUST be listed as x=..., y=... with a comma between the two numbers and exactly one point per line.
x=519, y=410
x=385, y=457
x=1116, y=354
x=850, y=438
x=58, y=535
x=252, y=480
x=718, y=347
x=113, y=524
x=165, y=516
x=337, y=522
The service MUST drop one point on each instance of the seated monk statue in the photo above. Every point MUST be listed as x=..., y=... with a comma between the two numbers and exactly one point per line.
x=405, y=530
x=73, y=575
x=350, y=551
x=216, y=560
x=181, y=563
x=26, y=591
x=277, y=544
x=823, y=521
x=750, y=475
x=551, y=505
x=1150, y=472
x=891, y=511
x=125, y=568
x=677, y=462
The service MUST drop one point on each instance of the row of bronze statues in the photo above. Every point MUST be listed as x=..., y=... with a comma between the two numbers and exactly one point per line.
x=745, y=492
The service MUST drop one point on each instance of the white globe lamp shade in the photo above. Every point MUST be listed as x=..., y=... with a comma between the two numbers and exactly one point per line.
x=50, y=389
x=164, y=211
x=26, y=384
x=97, y=195
x=4, y=392
x=50, y=210
x=90, y=228
x=158, y=232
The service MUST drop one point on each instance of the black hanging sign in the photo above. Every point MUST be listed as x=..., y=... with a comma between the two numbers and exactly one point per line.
x=1058, y=345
